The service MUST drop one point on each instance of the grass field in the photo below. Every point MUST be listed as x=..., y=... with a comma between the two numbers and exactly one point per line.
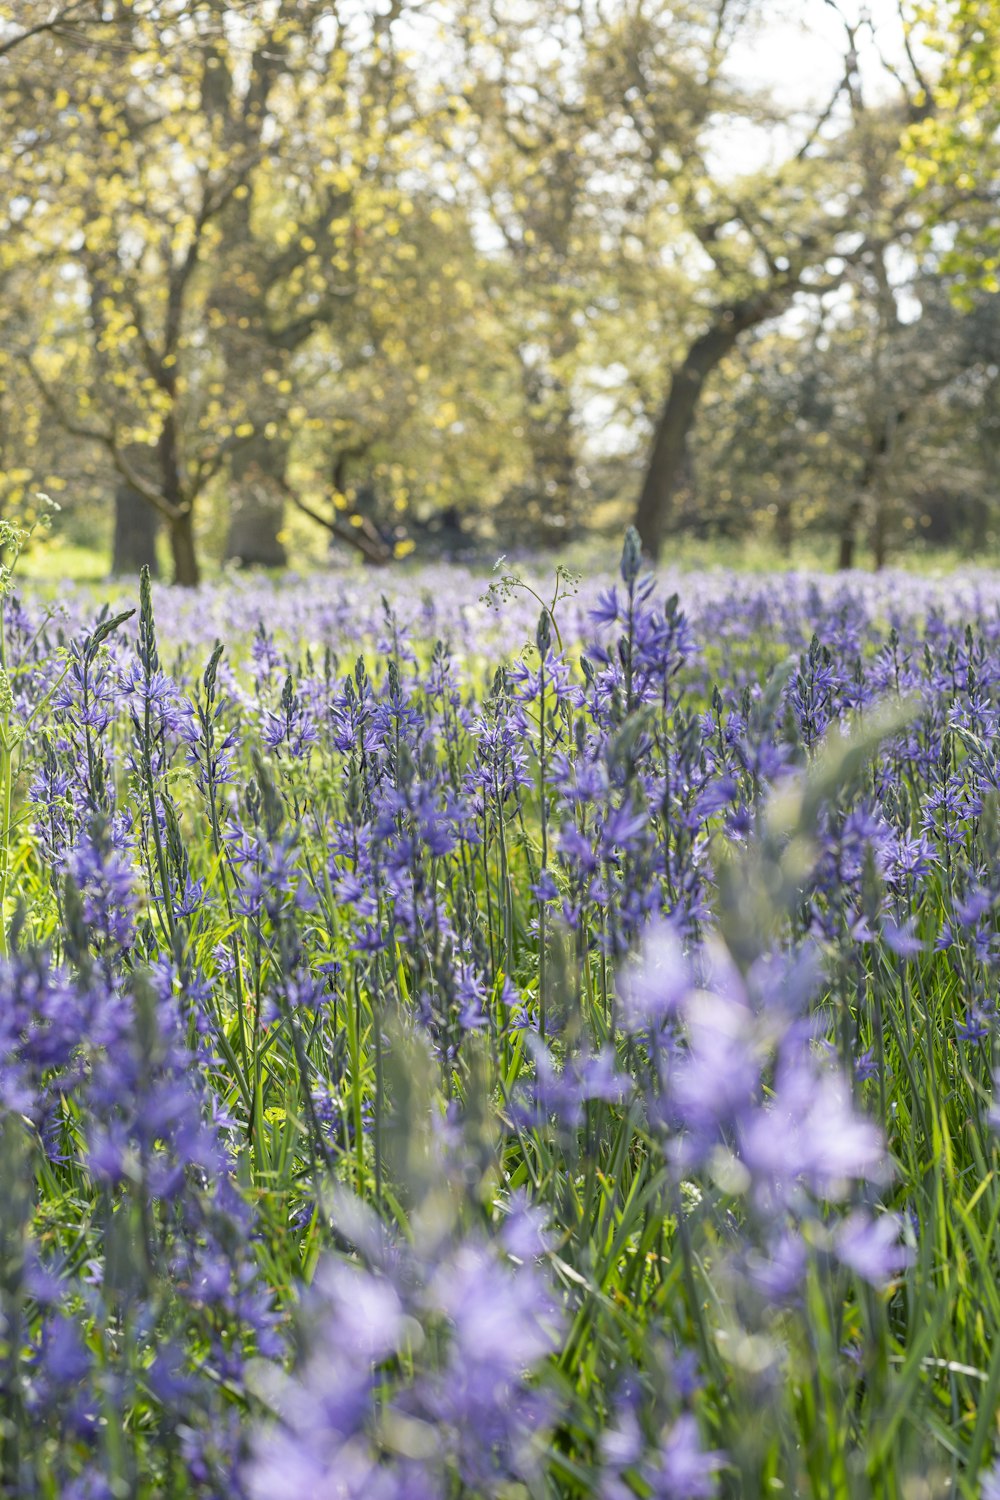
x=538, y=1044
x=57, y=557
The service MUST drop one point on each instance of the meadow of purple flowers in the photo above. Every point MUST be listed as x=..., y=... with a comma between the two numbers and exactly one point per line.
x=532, y=1044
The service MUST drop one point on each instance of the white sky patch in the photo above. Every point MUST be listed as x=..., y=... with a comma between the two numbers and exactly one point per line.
x=796, y=59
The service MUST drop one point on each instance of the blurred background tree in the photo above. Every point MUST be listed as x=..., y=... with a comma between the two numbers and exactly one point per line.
x=954, y=142
x=281, y=275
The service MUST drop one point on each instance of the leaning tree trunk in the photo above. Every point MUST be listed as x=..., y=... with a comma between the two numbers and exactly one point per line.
x=136, y=527
x=257, y=505
x=183, y=551
x=668, y=457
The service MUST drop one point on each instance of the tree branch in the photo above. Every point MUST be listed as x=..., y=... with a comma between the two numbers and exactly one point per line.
x=61, y=18
x=107, y=440
x=363, y=538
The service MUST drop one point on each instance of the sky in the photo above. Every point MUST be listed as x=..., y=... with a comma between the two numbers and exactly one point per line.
x=799, y=54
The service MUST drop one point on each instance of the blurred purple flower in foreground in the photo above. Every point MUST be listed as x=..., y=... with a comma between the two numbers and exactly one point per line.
x=417, y=1375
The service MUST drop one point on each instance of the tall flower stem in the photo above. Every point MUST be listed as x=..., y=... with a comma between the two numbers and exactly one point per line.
x=6, y=778
x=12, y=539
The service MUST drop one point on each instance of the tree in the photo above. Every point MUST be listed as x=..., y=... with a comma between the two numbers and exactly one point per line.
x=531, y=174
x=595, y=159
x=193, y=217
x=133, y=545
x=365, y=264
x=765, y=240
x=858, y=424
x=33, y=19
x=953, y=144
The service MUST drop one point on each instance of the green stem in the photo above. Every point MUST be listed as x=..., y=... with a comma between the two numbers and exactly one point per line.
x=5, y=782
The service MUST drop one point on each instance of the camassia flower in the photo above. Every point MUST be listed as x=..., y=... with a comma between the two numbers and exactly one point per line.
x=737, y=1090
x=416, y=1377
x=688, y=892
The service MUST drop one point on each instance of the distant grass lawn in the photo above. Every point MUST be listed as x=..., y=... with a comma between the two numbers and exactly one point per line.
x=56, y=560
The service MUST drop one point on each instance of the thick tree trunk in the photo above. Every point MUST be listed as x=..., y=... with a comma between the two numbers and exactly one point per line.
x=136, y=527
x=182, y=549
x=178, y=505
x=668, y=455
x=257, y=505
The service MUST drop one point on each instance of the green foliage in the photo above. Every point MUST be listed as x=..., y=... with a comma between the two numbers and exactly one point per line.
x=952, y=145
x=287, y=280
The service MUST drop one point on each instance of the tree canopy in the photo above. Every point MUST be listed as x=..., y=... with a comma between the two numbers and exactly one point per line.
x=287, y=266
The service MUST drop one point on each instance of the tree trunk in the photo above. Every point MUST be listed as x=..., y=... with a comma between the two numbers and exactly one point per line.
x=548, y=503
x=884, y=508
x=670, y=442
x=872, y=481
x=880, y=538
x=848, y=534
x=136, y=527
x=182, y=549
x=784, y=529
x=670, y=438
x=257, y=505
x=554, y=473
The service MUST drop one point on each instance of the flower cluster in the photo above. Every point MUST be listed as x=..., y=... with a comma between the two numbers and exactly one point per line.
x=533, y=1044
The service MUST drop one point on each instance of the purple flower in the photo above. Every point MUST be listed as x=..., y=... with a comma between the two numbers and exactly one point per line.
x=474, y=1326
x=713, y=1083
x=989, y=1483
x=677, y=1468
x=810, y=1135
x=779, y=1273
x=901, y=939
x=686, y=1470
x=870, y=1246
x=652, y=988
